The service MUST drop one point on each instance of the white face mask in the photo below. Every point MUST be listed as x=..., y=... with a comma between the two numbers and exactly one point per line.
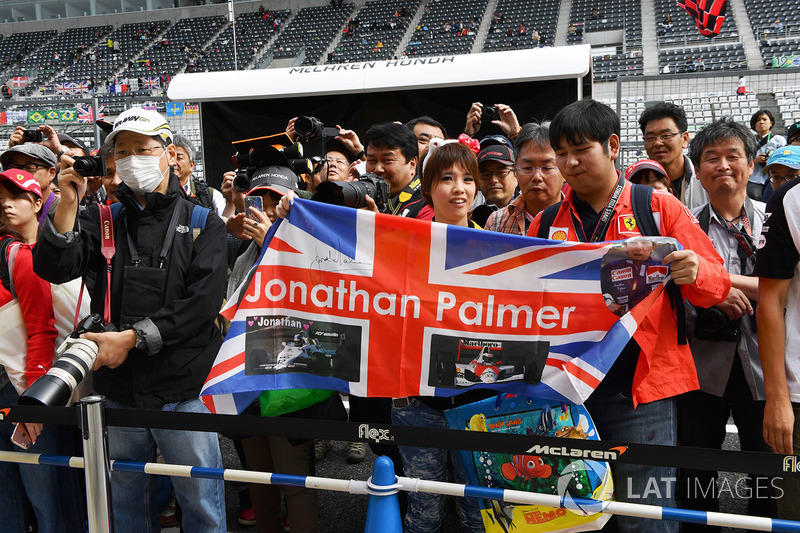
x=141, y=173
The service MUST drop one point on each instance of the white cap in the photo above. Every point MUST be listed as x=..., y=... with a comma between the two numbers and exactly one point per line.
x=144, y=121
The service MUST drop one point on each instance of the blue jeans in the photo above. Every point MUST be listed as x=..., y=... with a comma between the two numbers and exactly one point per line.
x=133, y=496
x=650, y=423
x=426, y=511
x=40, y=483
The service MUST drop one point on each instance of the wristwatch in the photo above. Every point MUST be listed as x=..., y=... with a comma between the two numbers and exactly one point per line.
x=141, y=343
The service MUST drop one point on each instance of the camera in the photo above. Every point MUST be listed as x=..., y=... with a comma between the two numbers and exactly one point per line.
x=489, y=113
x=353, y=193
x=32, y=136
x=88, y=166
x=312, y=128
x=712, y=324
x=262, y=154
x=76, y=357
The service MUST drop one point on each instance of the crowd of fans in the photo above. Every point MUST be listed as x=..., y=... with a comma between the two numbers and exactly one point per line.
x=163, y=290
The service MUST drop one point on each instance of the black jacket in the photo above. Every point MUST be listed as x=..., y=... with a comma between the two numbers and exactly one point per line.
x=185, y=341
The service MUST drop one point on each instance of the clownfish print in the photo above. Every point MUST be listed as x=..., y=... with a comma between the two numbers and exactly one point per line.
x=526, y=466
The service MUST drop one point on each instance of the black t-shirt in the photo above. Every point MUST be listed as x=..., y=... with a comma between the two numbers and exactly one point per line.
x=778, y=254
x=409, y=201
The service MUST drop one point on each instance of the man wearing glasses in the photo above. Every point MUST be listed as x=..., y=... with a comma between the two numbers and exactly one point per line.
x=783, y=165
x=39, y=161
x=539, y=181
x=497, y=181
x=165, y=284
x=664, y=128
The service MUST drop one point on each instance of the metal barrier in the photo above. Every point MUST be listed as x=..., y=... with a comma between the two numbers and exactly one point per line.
x=383, y=512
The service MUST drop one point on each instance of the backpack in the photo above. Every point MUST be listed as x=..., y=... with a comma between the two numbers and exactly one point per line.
x=641, y=196
x=197, y=222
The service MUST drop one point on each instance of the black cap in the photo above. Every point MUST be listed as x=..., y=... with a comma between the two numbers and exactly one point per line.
x=273, y=178
x=336, y=145
x=792, y=130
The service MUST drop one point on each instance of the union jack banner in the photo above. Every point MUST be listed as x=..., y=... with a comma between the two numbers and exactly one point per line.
x=151, y=83
x=86, y=114
x=384, y=306
x=60, y=88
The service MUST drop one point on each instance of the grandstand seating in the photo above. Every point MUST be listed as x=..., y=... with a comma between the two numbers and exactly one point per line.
x=776, y=48
x=789, y=105
x=763, y=13
x=539, y=15
x=170, y=53
x=379, y=21
x=133, y=39
x=16, y=47
x=313, y=29
x=609, y=67
x=611, y=15
x=60, y=51
x=252, y=34
x=447, y=13
x=723, y=57
x=683, y=30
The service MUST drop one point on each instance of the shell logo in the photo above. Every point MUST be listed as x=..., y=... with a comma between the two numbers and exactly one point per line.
x=559, y=235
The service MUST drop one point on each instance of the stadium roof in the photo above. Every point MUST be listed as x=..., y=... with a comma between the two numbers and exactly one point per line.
x=539, y=64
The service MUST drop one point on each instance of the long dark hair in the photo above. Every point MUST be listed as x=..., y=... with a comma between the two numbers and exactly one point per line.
x=6, y=230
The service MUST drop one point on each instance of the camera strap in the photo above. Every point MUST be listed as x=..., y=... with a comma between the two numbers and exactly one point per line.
x=168, y=238
x=107, y=249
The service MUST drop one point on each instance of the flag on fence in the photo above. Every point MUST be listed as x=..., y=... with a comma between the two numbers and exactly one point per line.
x=67, y=115
x=377, y=305
x=174, y=109
x=60, y=88
x=17, y=117
x=117, y=88
x=150, y=106
x=708, y=15
x=191, y=109
x=35, y=117
x=18, y=82
x=82, y=87
x=86, y=114
x=52, y=114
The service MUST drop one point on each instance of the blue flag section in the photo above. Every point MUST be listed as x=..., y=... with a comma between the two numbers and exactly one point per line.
x=384, y=306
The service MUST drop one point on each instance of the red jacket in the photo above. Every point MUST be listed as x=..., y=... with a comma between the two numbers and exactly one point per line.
x=667, y=368
x=36, y=304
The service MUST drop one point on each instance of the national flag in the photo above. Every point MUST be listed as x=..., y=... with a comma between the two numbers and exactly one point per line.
x=153, y=82
x=18, y=81
x=85, y=114
x=35, y=117
x=377, y=305
x=174, y=109
x=191, y=109
x=60, y=88
x=150, y=106
x=67, y=115
x=117, y=88
x=708, y=15
x=82, y=87
x=52, y=114
x=3, y=117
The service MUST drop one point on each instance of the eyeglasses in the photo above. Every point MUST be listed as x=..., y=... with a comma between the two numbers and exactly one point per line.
x=528, y=171
x=121, y=154
x=30, y=167
x=783, y=179
x=665, y=137
x=499, y=173
x=336, y=161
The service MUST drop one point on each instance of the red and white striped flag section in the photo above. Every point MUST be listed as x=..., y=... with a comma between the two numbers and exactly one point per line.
x=384, y=306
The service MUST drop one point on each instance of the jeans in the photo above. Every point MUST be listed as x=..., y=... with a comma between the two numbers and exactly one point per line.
x=650, y=423
x=426, y=511
x=133, y=496
x=40, y=482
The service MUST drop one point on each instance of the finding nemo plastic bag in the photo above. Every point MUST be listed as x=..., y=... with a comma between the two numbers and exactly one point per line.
x=565, y=476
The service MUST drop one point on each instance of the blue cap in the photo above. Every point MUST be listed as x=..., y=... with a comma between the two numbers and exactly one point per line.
x=493, y=140
x=788, y=156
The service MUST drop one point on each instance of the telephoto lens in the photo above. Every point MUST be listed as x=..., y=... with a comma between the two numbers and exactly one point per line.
x=76, y=358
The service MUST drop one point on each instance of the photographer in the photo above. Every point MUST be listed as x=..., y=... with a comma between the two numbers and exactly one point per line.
x=725, y=348
x=500, y=115
x=39, y=161
x=165, y=286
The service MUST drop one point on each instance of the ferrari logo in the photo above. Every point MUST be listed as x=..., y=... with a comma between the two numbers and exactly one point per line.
x=629, y=223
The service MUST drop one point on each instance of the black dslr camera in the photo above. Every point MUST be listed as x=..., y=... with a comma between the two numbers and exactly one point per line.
x=489, y=113
x=353, y=193
x=308, y=128
x=712, y=324
x=32, y=136
x=76, y=359
x=89, y=165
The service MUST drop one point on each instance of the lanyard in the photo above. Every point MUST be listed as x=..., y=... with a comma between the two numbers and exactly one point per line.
x=605, y=219
x=744, y=239
x=46, y=209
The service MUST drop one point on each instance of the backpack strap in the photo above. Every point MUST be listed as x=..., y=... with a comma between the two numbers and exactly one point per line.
x=547, y=219
x=9, y=257
x=202, y=192
x=198, y=220
x=641, y=198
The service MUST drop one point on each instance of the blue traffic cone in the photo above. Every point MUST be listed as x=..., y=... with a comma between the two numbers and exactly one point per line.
x=383, y=512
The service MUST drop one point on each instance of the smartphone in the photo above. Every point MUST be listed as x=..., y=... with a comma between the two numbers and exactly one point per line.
x=253, y=201
x=21, y=437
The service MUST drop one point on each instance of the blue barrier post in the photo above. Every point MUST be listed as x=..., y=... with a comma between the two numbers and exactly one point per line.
x=383, y=512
